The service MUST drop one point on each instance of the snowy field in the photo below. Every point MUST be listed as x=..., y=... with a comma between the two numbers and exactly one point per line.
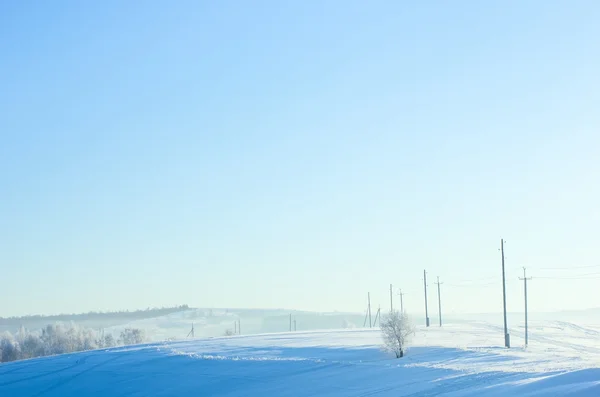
x=563, y=359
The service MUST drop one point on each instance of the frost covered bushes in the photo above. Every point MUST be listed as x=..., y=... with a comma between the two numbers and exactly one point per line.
x=60, y=339
x=396, y=330
x=9, y=348
x=131, y=336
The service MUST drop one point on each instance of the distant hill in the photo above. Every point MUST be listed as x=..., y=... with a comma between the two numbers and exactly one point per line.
x=91, y=319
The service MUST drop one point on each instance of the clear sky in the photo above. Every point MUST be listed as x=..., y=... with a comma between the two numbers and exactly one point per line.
x=297, y=154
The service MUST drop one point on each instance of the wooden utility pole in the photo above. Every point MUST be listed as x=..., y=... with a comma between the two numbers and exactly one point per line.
x=400, y=293
x=506, y=335
x=369, y=297
x=378, y=316
x=426, y=310
x=439, y=300
x=525, y=278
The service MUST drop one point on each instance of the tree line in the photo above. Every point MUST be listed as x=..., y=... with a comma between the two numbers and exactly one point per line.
x=125, y=314
x=60, y=339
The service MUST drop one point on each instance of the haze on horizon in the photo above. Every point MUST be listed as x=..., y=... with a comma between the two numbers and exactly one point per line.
x=298, y=154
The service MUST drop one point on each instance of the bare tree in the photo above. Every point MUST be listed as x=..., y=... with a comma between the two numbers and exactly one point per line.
x=228, y=332
x=109, y=341
x=396, y=329
x=132, y=336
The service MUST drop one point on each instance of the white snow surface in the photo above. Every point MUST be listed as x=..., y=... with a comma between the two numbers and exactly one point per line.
x=563, y=359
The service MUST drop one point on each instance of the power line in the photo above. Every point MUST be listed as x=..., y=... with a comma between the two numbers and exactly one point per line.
x=473, y=282
x=471, y=285
x=575, y=277
x=567, y=268
x=477, y=279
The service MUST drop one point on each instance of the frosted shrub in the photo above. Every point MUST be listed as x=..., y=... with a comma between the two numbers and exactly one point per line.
x=396, y=330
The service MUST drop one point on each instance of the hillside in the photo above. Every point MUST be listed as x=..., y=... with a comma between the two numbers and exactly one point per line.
x=90, y=320
x=456, y=360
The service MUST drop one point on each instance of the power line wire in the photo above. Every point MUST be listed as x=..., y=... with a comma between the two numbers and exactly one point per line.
x=472, y=285
x=589, y=276
x=567, y=268
x=474, y=281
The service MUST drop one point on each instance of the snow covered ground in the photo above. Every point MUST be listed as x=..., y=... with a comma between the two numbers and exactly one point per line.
x=457, y=360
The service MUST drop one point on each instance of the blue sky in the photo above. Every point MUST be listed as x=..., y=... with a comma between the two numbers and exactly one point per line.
x=297, y=154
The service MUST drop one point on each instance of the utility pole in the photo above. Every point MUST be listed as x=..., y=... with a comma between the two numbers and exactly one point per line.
x=240, y=326
x=525, y=278
x=439, y=300
x=506, y=335
x=391, y=300
x=235, y=327
x=401, y=303
x=295, y=325
x=426, y=311
x=290, y=322
x=370, y=324
x=378, y=316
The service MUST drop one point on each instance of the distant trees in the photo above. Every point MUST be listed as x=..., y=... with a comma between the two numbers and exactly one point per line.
x=396, y=330
x=132, y=336
x=32, y=346
x=106, y=341
x=228, y=332
x=96, y=316
x=9, y=348
x=59, y=339
x=347, y=324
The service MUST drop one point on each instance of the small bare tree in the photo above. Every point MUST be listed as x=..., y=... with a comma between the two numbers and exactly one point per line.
x=396, y=330
x=132, y=336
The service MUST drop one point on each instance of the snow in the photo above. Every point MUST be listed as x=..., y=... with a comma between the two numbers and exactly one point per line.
x=456, y=360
